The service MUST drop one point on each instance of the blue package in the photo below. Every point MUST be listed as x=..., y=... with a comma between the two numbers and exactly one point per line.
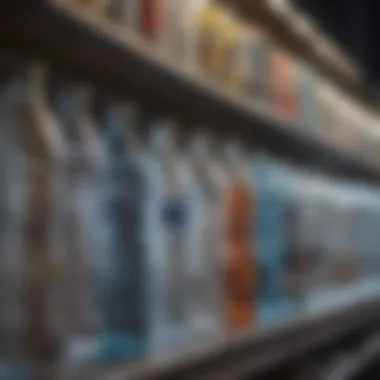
x=269, y=237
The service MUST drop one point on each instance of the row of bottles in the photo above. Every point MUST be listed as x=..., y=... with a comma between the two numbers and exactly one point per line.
x=210, y=39
x=121, y=238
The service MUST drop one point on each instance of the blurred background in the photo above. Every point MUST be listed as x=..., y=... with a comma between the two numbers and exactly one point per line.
x=189, y=189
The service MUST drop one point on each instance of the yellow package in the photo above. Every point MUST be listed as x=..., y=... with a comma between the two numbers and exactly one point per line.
x=209, y=39
x=231, y=33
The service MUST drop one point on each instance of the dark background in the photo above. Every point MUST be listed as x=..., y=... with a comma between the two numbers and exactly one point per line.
x=354, y=25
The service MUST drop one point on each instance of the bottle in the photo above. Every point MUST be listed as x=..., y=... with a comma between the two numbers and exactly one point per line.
x=204, y=246
x=270, y=234
x=155, y=243
x=79, y=200
x=311, y=270
x=317, y=262
x=240, y=269
x=167, y=224
x=292, y=284
x=13, y=362
x=44, y=147
x=294, y=236
x=123, y=269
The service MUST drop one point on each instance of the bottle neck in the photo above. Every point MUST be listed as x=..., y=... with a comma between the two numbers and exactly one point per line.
x=119, y=130
x=67, y=107
x=36, y=84
x=162, y=142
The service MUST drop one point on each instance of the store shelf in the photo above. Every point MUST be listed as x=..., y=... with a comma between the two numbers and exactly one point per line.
x=111, y=57
x=254, y=353
x=284, y=27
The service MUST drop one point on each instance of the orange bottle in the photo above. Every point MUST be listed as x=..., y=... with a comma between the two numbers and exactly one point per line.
x=240, y=271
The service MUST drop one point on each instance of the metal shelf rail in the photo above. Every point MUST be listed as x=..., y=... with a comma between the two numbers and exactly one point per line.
x=252, y=353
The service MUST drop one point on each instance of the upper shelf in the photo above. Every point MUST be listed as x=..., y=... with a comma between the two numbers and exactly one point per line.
x=109, y=56
x=299, y=34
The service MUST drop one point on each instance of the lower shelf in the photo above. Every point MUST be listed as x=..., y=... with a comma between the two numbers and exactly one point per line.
x=254, y=352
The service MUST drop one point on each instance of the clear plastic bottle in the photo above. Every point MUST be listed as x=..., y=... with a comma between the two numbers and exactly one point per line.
x=13, y=362
x=122, y=267
x=204, y=247
x=169, y=226
x=78, y=316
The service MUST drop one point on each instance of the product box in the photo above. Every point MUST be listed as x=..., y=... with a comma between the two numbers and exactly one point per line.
x=229, y=31
x=283, y=85
x=124, y=12
x=210, y=42
x=327, y=105
x=307, y=82
x=254, y=63
x=93, y=7
x=152, y=21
